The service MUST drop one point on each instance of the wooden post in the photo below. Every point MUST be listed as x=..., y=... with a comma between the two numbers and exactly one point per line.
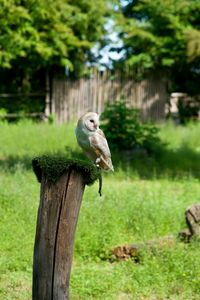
x=56, y=224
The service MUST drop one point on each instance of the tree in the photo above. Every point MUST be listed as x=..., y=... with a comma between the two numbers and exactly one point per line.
x=163, y=36
x=45, y=33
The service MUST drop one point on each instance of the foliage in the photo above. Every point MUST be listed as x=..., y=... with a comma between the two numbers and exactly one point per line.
x=131, y=210
x=39, y=33
x=163, y=35
x=3, y=112
x=125, y=131
x=189, y=110
x=51, y=119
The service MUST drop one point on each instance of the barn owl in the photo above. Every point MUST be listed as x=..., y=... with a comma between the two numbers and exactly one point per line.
x=93, y=142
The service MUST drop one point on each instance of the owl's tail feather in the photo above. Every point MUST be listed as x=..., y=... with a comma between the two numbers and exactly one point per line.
x=100, y=185
x=106, y=164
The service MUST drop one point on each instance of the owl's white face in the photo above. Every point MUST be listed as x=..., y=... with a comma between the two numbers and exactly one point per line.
x=91, y=121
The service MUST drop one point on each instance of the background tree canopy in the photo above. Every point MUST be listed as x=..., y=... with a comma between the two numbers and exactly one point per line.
x=44, y=33
x=157, y=35
x=163, y=35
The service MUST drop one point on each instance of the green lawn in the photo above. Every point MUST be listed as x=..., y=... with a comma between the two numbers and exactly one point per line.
x=144, y=199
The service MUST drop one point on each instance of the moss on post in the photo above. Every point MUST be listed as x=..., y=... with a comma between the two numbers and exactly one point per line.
x=53, y=166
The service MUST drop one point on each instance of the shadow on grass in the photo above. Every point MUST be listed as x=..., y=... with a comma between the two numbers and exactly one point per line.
x=179, y=163
x=12, y=163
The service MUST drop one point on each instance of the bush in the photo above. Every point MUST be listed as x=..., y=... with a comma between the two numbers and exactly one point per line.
x=124, y=131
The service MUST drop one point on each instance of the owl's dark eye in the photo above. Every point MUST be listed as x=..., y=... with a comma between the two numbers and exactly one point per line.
x=92, y=121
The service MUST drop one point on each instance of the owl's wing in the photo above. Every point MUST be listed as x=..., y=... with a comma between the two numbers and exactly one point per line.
x=99, y=143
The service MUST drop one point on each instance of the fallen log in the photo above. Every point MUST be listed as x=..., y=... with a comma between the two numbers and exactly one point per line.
x=192, y=217
x=133, y=251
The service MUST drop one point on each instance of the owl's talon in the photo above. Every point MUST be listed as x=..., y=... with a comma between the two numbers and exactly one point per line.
x=98, y=160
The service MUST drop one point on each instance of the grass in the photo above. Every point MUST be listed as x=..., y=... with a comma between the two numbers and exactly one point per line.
x=142, y=200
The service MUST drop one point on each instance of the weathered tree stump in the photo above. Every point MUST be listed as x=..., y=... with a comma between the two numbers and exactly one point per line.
x=62, y=187
x=192, y=216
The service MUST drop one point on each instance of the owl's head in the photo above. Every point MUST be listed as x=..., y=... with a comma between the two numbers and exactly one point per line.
x=91, y=121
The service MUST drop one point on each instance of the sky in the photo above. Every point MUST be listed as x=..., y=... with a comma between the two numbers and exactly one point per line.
x=105, y=56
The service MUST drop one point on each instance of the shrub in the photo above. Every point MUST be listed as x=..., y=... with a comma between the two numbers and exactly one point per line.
x=3, y=112
x=125, y=131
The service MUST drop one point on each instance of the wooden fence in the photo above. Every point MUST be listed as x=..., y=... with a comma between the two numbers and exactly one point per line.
x=22, y=101
x=71, y=98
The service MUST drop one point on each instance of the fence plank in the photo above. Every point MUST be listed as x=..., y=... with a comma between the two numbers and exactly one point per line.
x=84, y=94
